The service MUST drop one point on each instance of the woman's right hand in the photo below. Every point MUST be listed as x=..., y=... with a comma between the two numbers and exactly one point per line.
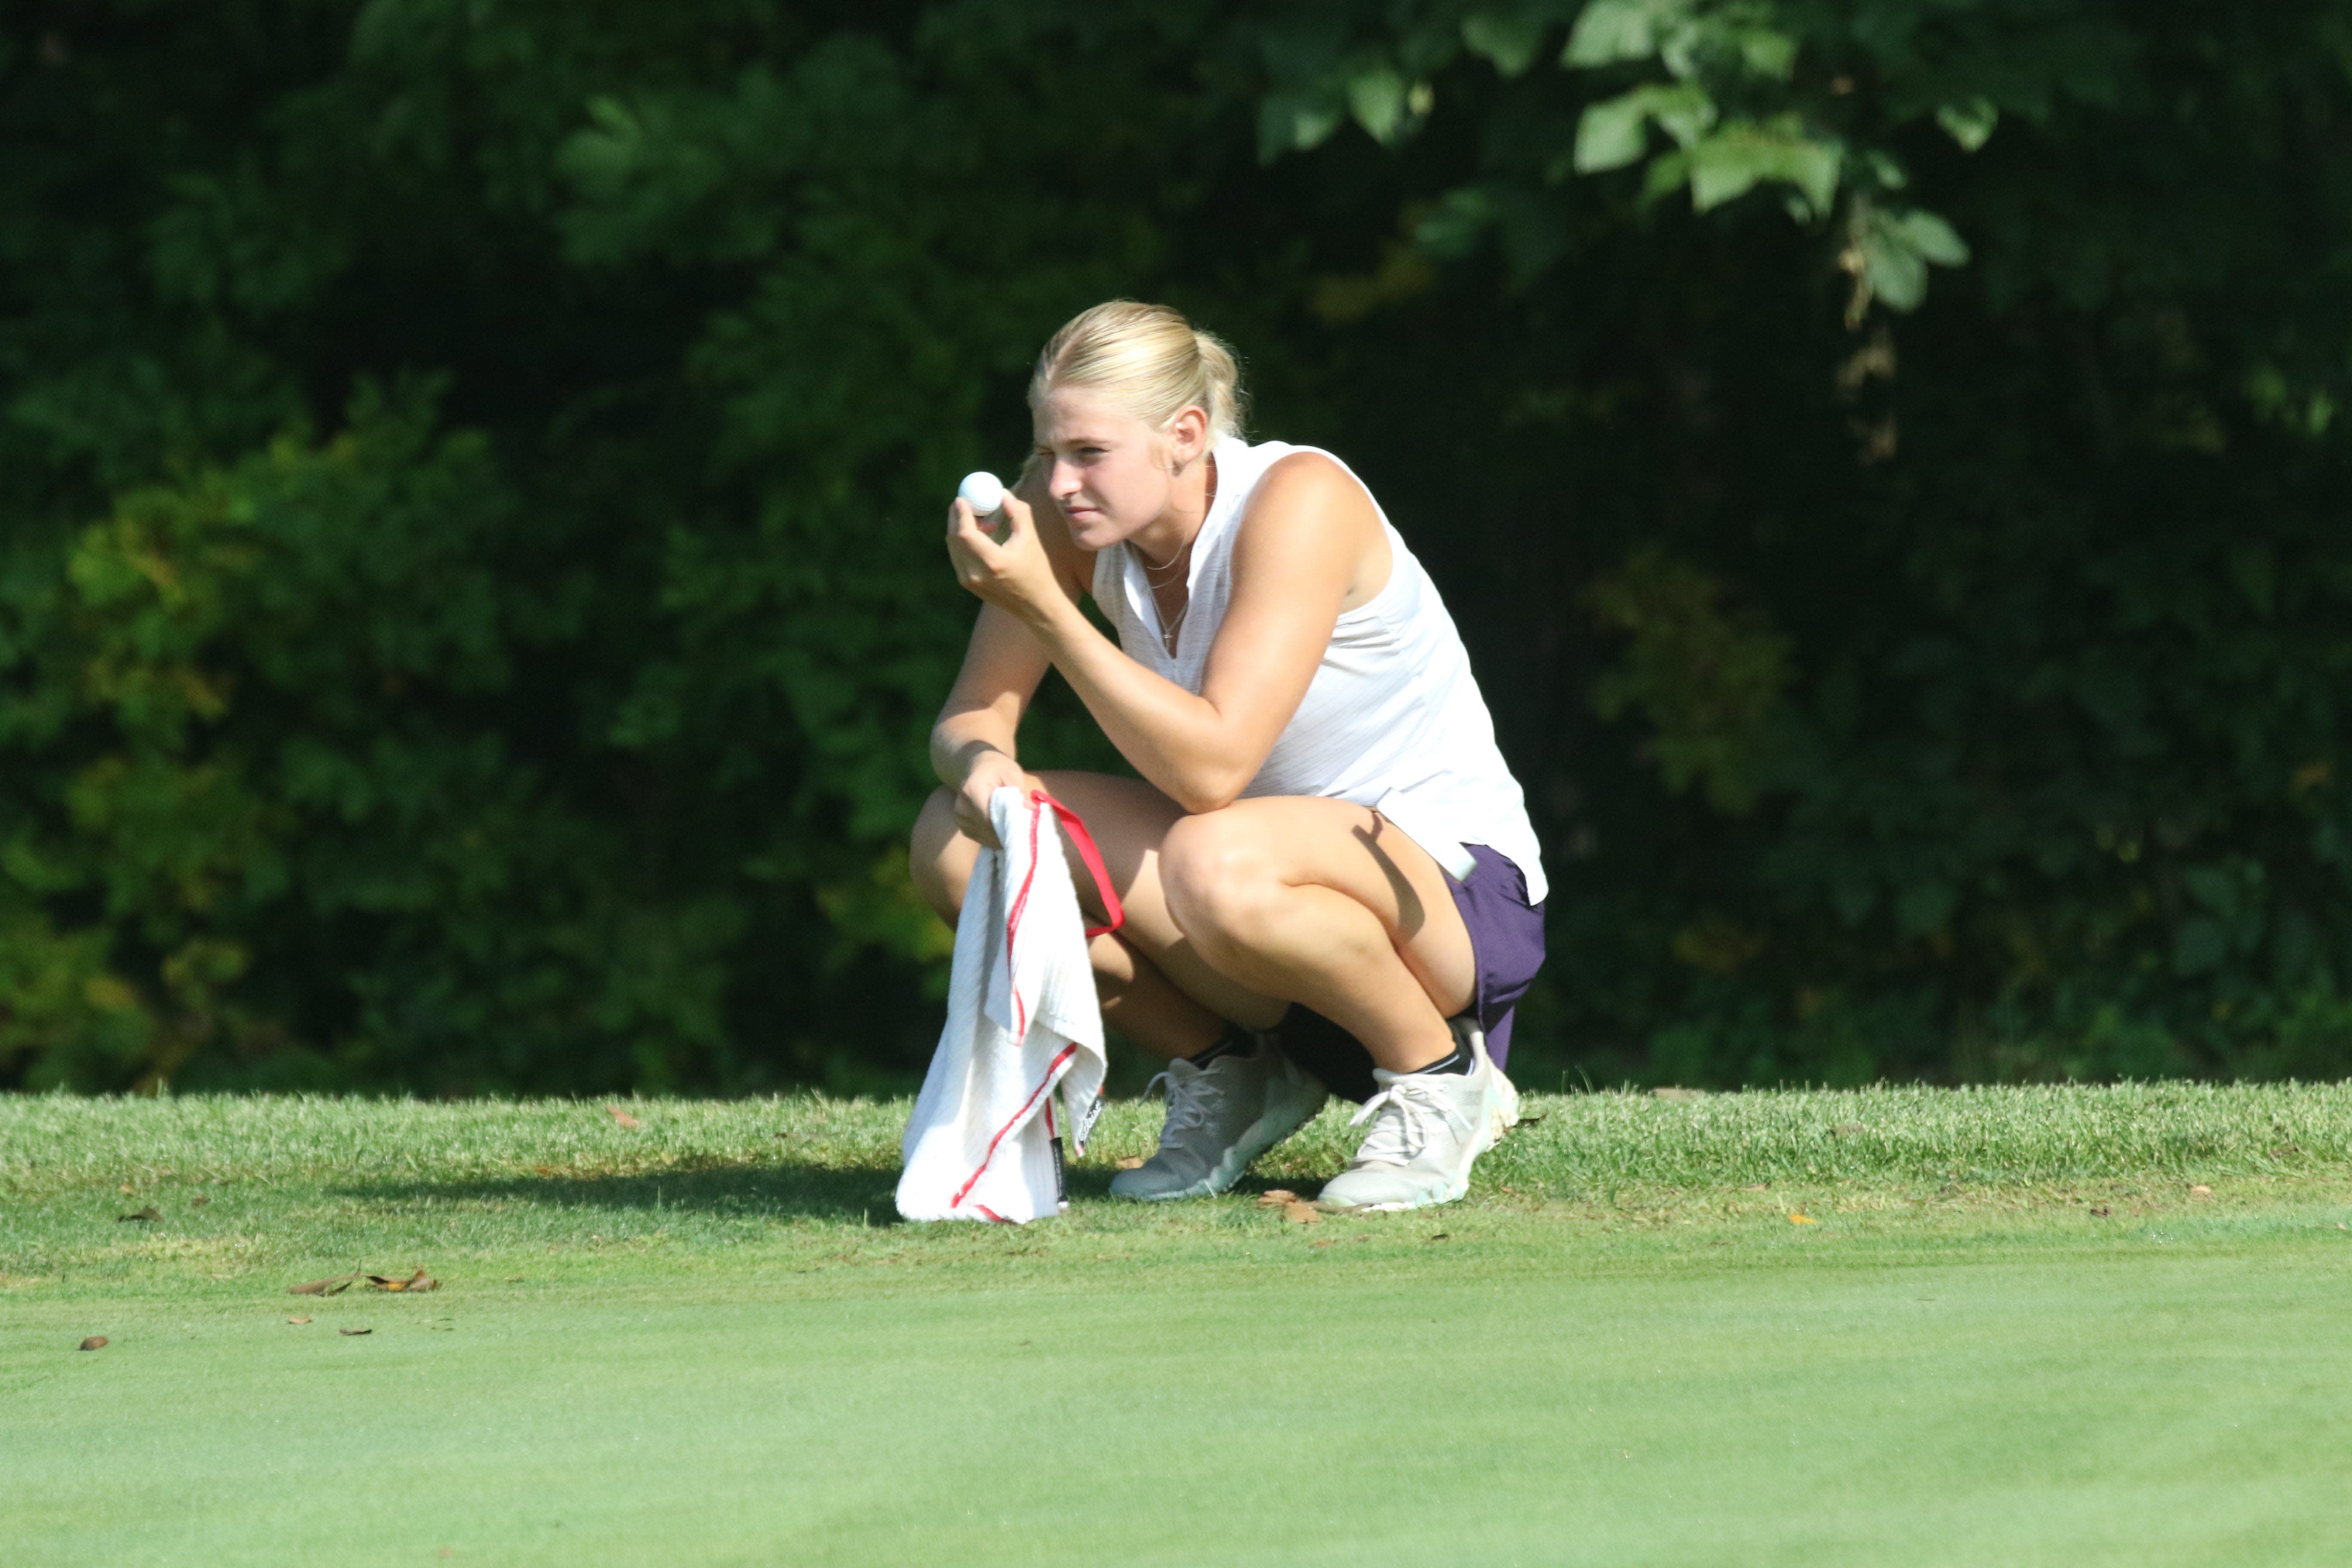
x=990, y=771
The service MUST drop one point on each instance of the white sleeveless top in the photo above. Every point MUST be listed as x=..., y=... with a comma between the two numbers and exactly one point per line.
x=1393, y=713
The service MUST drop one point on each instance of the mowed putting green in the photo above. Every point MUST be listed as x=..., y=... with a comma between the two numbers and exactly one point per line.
x=1888, y=1327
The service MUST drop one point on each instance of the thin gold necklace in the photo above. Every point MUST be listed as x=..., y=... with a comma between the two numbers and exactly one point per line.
x=1173, y=565
x=1208, y=505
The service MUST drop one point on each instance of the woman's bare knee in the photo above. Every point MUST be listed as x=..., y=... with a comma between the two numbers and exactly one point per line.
x=938, y=856
x=1218, y=877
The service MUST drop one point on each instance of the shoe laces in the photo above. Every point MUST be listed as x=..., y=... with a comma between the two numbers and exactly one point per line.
x=1192, y=1100
x=1406, y=1117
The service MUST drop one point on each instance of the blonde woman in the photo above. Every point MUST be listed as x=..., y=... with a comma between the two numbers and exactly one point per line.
x=1283, y=667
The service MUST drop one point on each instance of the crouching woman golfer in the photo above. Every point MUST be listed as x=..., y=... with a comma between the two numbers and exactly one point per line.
x=1284, y=666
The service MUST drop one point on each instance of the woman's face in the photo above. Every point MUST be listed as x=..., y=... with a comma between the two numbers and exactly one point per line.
x=1108, y=471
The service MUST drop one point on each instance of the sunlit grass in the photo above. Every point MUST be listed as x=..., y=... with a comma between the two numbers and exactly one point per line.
x=2077, y=1325
x=1570, y=1145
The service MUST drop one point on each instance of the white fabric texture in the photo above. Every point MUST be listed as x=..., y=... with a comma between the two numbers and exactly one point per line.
x=1023, y=1022
x=1394, y=718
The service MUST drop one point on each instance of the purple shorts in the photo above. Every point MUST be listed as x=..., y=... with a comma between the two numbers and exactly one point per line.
x=1506, y=935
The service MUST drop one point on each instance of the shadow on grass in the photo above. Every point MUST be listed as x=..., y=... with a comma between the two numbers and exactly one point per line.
x=731, y=1192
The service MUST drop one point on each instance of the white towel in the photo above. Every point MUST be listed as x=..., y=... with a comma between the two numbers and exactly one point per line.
x=1022, y=1020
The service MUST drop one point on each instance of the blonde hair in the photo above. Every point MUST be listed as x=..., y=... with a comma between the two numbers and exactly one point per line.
x=1149, y=359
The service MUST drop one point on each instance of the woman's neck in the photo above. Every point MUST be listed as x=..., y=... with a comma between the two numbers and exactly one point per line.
x=1170, y=534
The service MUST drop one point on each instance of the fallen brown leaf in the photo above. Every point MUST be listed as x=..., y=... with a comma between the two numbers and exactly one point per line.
x=1131, y=1163
x=2200, y=1191
x=1301, y=1213
x=298, y=1319
x=353, y=1333
x=335, y=1287
x=622, y=1118
x=200, y=1200
x=1529, y=1121
x=150, y=1214
x=1802, y=1219
x=1319, y=1246
x=1440, y=1235
x=1276, y=1198
x=127, y=1190
x=95, y=1343
x=2103, y=1211
x=416, y=1281
x=1756, y=1187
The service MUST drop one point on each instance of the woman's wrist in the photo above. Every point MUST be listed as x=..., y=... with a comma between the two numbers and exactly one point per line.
x=965, y=756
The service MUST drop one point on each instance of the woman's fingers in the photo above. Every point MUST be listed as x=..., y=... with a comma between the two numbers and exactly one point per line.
x=973, y=819
x=1014, y=572
x=978, y=558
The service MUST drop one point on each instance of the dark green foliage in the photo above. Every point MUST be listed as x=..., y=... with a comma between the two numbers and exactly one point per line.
x=470, y=596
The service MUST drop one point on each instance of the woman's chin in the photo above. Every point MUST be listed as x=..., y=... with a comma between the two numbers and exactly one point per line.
x=1094, y=531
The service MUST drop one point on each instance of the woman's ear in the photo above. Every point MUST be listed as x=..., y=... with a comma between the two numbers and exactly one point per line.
x=1188, y=438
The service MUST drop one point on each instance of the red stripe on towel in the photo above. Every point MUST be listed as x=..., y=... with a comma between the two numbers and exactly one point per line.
x=1012, y=1121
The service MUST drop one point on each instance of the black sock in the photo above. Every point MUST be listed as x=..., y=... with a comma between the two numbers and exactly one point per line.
x=1235, y=1038
x=1459, y=1061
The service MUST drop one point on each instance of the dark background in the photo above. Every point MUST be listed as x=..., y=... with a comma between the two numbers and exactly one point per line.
x=471, y=474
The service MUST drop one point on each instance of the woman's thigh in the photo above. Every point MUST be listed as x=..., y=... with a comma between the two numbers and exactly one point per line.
x=1128, y=821
x=1255, y=848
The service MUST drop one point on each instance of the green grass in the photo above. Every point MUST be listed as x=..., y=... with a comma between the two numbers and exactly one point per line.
x=2010, y=1330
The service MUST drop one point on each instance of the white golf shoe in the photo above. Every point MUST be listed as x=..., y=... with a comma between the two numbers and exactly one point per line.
x=1428, y=1129
x=1220, y=1117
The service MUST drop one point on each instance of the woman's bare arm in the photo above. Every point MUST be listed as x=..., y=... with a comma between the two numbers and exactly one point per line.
x=975, y=741
x=1301, y=548
x=1002, y=668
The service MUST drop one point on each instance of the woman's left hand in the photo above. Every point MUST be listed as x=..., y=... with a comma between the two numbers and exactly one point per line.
x=1016, y=575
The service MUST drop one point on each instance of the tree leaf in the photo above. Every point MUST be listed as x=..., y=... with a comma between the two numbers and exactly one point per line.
x=1295, y=121
x=621, y=1118
x=1931, y=236
x=1376, y=98
x=1613, y=134
x=1508, y=38
x=1610, y=30
x=1969, y=122
x=1767, y=51
x=1454, y=226
x=1736, y=158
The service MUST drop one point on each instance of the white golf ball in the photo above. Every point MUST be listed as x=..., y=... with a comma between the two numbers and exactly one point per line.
x=984, y=492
